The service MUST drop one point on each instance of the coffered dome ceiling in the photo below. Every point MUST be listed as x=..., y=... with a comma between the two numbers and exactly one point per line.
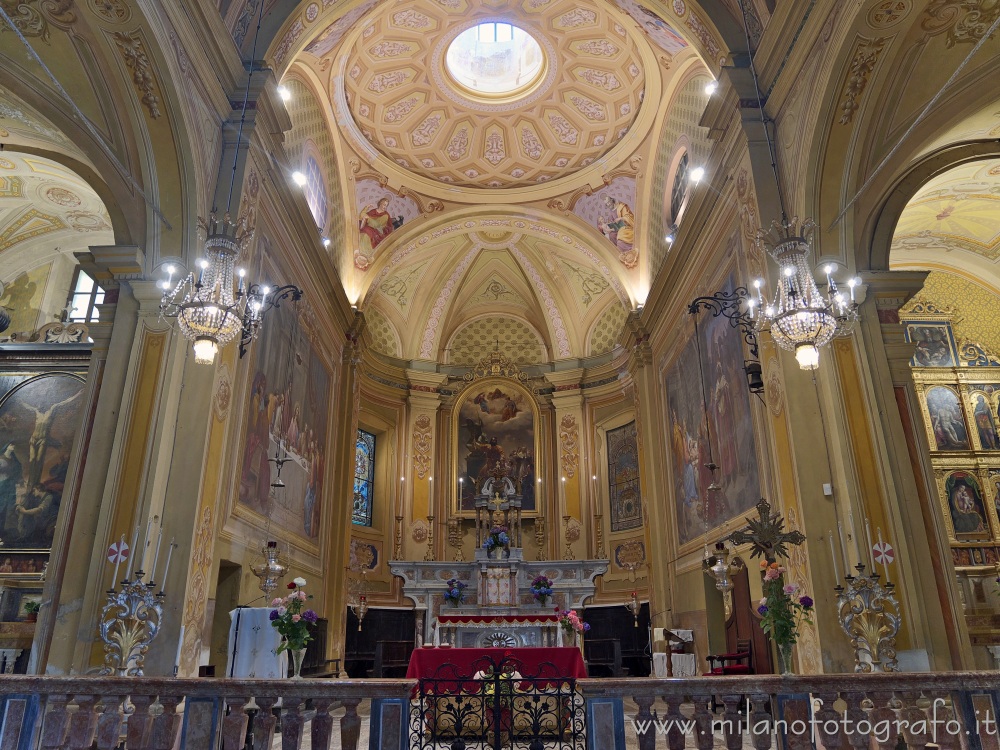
x=411, y=108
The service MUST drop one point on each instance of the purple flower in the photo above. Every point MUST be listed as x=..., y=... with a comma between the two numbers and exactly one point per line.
x=762, y=609
x=274, y=615
x=586, y=627
x=806, y=601
x=310, y=616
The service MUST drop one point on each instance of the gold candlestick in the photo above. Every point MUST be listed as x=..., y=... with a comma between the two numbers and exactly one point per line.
x=429, y=557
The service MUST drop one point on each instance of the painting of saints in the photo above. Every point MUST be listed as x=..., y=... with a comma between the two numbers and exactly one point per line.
x=496, y=427
x=619, y=227
x=375, y=224
x=947, y=423
x=965, y=501
x=985, y=424
x=933, y=348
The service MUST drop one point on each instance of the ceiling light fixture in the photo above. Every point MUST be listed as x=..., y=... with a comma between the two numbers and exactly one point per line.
x=209, y=312
x=284, y=93
x=298, y=178
x=711, y=87
x=696, y=174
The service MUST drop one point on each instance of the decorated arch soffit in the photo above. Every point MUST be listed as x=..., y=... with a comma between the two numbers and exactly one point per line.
x=885, y=63
x=512, y=263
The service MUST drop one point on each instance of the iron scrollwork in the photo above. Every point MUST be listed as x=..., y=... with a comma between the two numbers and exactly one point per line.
x=497, y=704
x=730, y=306
x=259, y=303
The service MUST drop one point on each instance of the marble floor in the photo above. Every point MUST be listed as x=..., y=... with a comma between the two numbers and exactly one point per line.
x=631, y=741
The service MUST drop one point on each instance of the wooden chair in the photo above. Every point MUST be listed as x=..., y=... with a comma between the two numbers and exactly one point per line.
x=604, y=653
x=737, y=662
x=391, y=656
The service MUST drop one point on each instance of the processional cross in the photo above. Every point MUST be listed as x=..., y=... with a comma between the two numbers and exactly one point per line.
x=766, y=534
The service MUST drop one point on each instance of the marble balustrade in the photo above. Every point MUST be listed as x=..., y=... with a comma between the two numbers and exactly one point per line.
x=863, y=712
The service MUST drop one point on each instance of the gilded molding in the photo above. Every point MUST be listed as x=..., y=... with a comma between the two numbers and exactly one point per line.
x=569, y=440
x=962, y=21
x=866, y=54
x=422, y=445
x=134, y=54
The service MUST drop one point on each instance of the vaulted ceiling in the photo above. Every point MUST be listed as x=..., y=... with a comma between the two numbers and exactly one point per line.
x=493, y=218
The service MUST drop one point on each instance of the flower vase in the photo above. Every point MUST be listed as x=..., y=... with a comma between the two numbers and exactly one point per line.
x=785, y=658
x=297, y=654
x=498, y=553
x=541, y=600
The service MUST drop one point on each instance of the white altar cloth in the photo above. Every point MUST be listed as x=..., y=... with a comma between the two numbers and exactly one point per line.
x=683, y=665
x=255, y=644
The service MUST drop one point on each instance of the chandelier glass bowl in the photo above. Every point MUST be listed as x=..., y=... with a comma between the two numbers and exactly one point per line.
x=800, y=318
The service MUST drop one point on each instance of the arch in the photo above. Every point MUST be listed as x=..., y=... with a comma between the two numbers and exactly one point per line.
x=872, y=253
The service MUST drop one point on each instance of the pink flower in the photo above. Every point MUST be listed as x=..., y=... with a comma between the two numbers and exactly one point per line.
x=281, y=611
x=302, y=595
x=296, y=618
x=791, y=588
x=277, y=602
x=771, y=574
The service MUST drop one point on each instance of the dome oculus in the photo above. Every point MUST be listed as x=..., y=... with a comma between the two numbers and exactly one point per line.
x=494, y=59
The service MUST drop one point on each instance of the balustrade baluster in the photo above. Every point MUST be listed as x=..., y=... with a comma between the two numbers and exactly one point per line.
x=234, y=726
x=82, y=723
x=322, y=724
x=291, y=724
x=263, y=724
x=350, y=724
x=56, y=723
x=139, y=723
x=760, y=722
x=675, y=736
x=916, y=731
x=857, y=717
x=731, y=728
x=829, y=727
x=166, y=725
x=946, y=728
x=884, y=717
x=644, y=718
x=703, y=722
x=109, y=722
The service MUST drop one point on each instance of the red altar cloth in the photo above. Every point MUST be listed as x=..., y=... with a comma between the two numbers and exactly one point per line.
x=479, y=619
x=457, y=664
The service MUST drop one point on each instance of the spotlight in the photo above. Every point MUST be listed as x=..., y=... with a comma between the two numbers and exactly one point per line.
x=298, y=178
x=711, y=87
x=284, y=93
x=696, y=174
x=326, y=242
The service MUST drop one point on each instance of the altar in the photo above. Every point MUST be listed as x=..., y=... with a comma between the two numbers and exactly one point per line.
x=502, y=631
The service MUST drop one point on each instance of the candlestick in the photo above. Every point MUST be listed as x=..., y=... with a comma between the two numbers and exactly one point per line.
x=156, y=557
x=131, y=552
x=166, y=568
x=868, y=538
x=118, y=561
x=833, y=555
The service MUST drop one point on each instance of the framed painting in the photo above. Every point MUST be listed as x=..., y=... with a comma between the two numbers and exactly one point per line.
x=623, y=478
x=39, y=418
x=935, y=344
x=289, y=409
x=966, y=508
x=945, y=419
x=709, y=370
x=496, y=422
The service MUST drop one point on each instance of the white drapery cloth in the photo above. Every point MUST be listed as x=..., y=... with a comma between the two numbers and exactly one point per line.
x=255, y=644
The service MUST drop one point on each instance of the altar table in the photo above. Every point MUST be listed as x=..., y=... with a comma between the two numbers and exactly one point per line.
x=464, y=663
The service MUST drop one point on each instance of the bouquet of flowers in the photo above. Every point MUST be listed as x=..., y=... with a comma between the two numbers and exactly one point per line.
x=541, y=589
x=783, y=608
x=571, y=621
x=291, y=618
x=498, y=537
x=456, y=591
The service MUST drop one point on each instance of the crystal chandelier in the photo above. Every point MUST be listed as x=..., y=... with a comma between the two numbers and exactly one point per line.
x=209, y=312
x=800, y=318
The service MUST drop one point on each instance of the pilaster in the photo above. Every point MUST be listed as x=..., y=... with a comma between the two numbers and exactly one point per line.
x=423, y=536
x=567, y=401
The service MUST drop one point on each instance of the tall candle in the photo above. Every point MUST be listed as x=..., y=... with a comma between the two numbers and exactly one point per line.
x=885, y=564
x=131, y=553
x=868, y=538
x=843, y=548
x=854, y=533
x=166, y=568
x=118, y=561
x=180, y=646
x=833, y=555
x=156, y=557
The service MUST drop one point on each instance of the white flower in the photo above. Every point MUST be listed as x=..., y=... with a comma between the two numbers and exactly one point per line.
x=300, y=582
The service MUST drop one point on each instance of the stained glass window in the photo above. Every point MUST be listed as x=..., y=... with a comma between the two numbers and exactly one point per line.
x=364, y=478
x=623, y=478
